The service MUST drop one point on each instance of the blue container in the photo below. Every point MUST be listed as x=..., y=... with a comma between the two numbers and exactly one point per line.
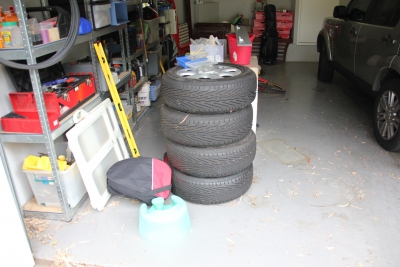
x=183, y=60
x=119, y=13
x=164, y=224
x=155, y=90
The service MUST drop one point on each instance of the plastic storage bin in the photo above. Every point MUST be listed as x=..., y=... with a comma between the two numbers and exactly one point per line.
x=44, y=190
x=155, y=90
x=187, y=63
x=24, y=104
x=284, y=16
x=119, y=13
x=162, y=14
x=144, y=95
x=101, y=15
x=259, y=15
x=258, y=31
x=153, y=34
x=215, y=53
x=153, y=67
x=259, y=24
x=284, y=34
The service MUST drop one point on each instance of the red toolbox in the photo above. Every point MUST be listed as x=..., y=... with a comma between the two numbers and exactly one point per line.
x=75, y=93
x=60, y=101
x=25, y=117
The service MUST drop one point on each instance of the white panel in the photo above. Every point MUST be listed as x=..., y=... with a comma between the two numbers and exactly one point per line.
x=97, y=144
x=311, y=16
x=172, y=27
x=14, y=245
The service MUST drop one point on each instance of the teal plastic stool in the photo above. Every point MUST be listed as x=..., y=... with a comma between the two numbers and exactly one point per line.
x=164, y=223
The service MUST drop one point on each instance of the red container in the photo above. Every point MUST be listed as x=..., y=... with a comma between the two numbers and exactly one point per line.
x=259, y=15
x=258, y=31
x=239, y=54
x=24, y=104
x=283, y=25
x=284, y=16
x=284, y=34
x=259, y=23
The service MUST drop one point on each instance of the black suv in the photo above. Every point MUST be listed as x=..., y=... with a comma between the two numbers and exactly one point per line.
x=362, y=42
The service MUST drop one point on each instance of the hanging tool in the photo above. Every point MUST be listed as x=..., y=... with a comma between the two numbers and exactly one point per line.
x=117, y=100
x=144, y=41
x=162, y=67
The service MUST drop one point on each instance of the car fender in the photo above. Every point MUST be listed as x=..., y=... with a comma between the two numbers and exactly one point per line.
x=388, y=64
x=324, y=36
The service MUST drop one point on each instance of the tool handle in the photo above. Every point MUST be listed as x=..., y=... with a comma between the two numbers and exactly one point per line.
x=144, y=41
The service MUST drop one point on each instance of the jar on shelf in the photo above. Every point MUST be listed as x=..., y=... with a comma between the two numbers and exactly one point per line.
x=11, y=34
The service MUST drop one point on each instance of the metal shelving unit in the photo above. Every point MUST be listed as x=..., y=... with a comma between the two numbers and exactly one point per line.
x=30, y=53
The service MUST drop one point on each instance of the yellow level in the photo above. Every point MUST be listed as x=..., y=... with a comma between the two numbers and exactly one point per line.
x=117, y=100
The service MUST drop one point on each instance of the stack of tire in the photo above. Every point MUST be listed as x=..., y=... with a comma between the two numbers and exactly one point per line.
x=207, y=120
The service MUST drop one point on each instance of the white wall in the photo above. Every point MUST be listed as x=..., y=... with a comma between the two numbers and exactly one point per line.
x=15, y=250
x=309, y=15
x=228, y=9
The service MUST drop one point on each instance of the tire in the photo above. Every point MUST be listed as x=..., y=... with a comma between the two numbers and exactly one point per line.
x=386, y=115
x=325, y=67
x=199, y=130
x=209, y=96
x=211, y=191
x=211, y=162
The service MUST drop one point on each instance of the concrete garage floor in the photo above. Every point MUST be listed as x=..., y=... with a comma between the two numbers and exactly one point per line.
x=324, y=193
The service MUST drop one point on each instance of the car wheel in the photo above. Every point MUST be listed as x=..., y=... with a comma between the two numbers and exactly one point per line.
x=219, y=161
x=387, y=115
x=325, y=67
x=222, y=88
x=203, y=130
x=211, y=191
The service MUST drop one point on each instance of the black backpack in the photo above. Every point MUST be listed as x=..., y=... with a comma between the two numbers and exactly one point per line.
x=269, y=38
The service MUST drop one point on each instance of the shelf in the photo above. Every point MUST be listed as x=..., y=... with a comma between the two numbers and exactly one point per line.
x=141, y=113
x=124, y=77
x=65, y=124
x=32, y=209
x=140, y=51
x=136, y=88
x=44, y=49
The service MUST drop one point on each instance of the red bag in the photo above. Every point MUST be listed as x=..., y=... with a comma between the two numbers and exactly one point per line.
x=141, y=178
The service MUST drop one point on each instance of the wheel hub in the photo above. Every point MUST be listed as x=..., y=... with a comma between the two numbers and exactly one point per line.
x=210, y=72
x=387, y=116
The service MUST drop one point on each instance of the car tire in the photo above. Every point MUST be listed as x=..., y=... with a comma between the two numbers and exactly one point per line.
x=209, y=96
x=386, y=115
x=211, y=162
x=325, y=66
x=211, y=191
x=201, y=130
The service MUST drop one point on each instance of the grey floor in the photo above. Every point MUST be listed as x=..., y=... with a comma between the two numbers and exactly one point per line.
x=324, y=193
